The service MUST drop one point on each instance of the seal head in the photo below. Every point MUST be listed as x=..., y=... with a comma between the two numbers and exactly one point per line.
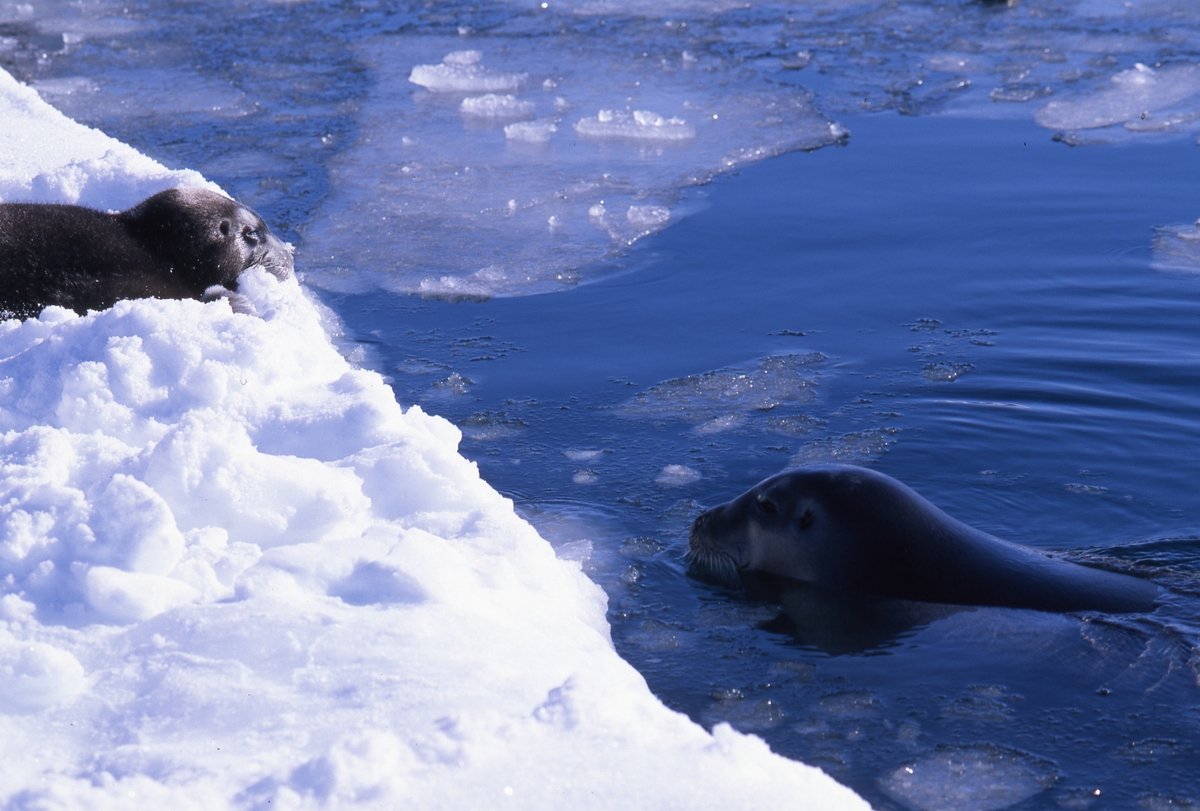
x=857, y=533
x=207, y=238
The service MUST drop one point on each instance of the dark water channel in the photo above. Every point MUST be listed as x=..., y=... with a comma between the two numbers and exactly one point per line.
x=961, y=303
x=979, y=319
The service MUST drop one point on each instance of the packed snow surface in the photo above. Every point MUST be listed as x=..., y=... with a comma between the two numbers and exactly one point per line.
x=237, y=574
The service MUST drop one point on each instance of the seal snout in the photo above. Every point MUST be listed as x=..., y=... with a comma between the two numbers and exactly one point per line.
x=707, y=560
x=277, y=258
x=701, y=538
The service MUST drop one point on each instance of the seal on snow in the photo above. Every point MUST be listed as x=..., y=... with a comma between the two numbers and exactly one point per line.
x=179, y=243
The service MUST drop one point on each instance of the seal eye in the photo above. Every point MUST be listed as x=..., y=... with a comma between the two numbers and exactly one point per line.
x=767, y=506
x=251, y=235
x=806, y=519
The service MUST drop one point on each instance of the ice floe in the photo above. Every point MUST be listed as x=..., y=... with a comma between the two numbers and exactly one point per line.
x=1132, y=98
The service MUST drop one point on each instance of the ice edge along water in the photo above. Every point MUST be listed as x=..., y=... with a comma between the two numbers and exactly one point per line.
x=236, y=574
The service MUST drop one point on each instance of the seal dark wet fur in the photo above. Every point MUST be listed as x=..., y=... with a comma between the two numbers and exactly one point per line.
x=179, y=243
x=856, y=533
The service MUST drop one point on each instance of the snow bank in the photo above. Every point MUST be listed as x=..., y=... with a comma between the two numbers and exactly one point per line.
x=236, y=574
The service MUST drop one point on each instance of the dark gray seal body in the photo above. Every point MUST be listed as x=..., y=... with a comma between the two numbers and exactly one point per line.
x=856, y=533
x=179, y=243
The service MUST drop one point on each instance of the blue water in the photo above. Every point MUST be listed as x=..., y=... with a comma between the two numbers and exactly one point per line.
x=926, y=243
x=956, y=299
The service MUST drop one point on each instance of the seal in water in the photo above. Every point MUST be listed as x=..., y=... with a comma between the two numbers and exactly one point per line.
x=862, y=536
x=179, y=243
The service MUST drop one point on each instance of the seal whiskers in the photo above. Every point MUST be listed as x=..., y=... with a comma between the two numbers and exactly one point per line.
x=712, y=567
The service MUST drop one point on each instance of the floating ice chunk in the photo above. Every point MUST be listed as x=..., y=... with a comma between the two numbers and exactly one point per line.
x=34, y=675
x=583, y=454
x=455, y=384
x=456, y=288
x=654, y=217
x=1154, y=801
x=732, y=707
x=66, y=86
x=494, y=106
x=956, y=63
x=970, y=778
x=578, y=551
x=676, y=475
x=656, y=8
x=1133, y=92
x=1020, y=93
x=462, y=72
x=1176, y=247
x=796, y=61
x=1148, y=122
x=946, y=371
x=857, y=448
x=489, y=426
x=720, y=425
x=769, y=383
x=639, y=125
x=531, y=132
